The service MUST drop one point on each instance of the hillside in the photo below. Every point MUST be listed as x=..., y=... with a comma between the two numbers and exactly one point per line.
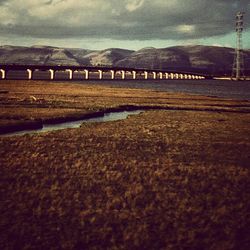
x=189, y=58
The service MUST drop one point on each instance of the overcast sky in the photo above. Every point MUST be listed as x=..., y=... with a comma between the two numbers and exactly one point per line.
x=132, y=24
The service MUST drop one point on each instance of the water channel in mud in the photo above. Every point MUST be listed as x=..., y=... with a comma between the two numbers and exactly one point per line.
x=107, y=117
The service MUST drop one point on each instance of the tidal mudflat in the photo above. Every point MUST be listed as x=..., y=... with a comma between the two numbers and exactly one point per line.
x=171, y=178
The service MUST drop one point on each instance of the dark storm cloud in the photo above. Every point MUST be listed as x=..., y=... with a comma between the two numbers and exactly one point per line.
x=120, y=19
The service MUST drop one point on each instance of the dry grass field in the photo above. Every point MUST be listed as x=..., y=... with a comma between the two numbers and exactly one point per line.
x=176, y=178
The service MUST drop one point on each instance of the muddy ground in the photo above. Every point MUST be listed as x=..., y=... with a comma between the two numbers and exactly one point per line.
x=177, y=178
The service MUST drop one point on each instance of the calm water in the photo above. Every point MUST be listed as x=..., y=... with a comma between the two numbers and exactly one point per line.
x=112, y=116
x=216, y=88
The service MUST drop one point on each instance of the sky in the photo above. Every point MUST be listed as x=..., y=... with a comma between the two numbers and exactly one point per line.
x=128, y=24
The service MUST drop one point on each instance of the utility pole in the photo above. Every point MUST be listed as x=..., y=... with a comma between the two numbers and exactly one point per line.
x=238, y=65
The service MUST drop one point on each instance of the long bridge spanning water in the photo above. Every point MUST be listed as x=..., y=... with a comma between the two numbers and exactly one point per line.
x=91, y=73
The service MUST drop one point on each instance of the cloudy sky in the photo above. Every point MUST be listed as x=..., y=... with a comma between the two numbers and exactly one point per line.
x=132, y=24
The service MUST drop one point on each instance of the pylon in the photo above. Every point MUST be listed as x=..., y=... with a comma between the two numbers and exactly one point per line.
x=238, y=65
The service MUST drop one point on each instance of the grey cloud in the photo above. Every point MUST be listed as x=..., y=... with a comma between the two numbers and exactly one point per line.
x=49, y=2
x=189, y=19
x=3, y=2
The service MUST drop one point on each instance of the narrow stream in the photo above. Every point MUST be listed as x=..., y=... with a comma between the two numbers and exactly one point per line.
x=107, y=117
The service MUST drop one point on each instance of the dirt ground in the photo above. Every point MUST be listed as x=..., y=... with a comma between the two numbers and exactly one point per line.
x=176, y=178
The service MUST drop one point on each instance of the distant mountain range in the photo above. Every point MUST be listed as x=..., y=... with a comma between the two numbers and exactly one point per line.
x=209, y=59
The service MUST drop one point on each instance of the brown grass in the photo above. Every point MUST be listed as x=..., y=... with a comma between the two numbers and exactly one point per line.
x=62, y=99
x=160, y=180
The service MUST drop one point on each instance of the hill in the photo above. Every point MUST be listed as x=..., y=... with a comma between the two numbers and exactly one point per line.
x=210, y=59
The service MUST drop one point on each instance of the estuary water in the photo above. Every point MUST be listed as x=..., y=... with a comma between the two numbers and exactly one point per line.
x=216, y=88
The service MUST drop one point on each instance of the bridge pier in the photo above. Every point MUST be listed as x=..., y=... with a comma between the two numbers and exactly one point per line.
x=100, y=74
x=70, y=73
x=134, y=75
x=123, y=74
x=30, y=74
x=86, y=74
x=112, y=74
x=3, y=72
x=52, y=74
